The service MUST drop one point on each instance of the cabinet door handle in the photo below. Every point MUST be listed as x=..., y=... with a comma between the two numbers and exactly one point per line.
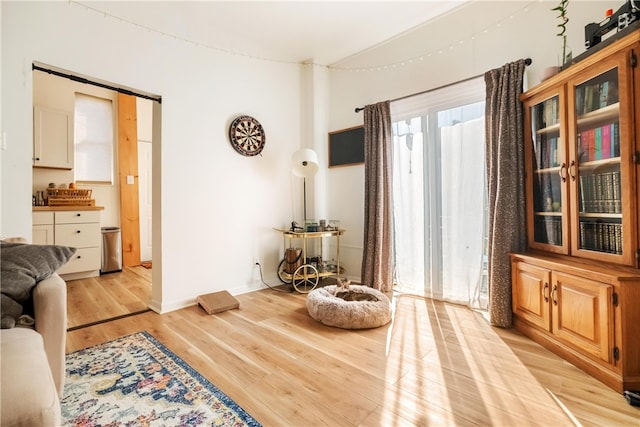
x=553, y=294
x=572, y=169
x=544, y=291
x=563, y=166
x=78, y=231
x=78, y=214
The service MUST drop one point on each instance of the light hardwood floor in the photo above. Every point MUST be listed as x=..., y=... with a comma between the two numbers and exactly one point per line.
x=108, y=296
x=435, y=364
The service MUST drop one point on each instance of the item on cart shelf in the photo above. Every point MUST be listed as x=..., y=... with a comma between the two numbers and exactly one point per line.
x=332, y=225
x=314, y=260
x=292, y=259
x=295, y=227
x=322, y=267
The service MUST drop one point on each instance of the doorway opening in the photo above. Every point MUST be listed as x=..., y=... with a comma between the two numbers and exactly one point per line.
x=126, y=202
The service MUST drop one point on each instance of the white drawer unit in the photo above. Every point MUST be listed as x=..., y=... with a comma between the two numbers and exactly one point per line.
x=79, y=229
x=78, y=235
x=77, y=217
x=84, y=260
x=42, y=231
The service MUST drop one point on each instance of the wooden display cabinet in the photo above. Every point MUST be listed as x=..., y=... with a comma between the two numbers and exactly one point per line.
x=577, y=290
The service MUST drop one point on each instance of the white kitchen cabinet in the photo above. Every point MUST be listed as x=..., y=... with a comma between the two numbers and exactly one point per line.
x=52, y=138
x=76, y=228
x=42, y=232
x=81, y=230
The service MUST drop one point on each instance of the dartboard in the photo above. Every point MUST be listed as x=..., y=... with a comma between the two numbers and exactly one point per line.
x=247, y=136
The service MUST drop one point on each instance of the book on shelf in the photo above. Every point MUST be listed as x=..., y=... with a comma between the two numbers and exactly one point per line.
x=546, y=153
x=548, y=230
x=597, y=138
x=615, y=200
x=588, y=145
x=600, y=193
x=615, y=139
x=597, y=95
x=601, y=236
x=605, y=142
x=599, y=143
x=550, y=111
x=604, y=93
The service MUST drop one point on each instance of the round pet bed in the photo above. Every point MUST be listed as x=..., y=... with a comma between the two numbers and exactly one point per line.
x=348, y=308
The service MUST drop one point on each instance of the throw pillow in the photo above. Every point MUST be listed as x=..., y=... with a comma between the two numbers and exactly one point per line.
x=23, y=266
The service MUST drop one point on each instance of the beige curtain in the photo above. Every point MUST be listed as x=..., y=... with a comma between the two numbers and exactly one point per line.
x=377, y=271
x=505, y=176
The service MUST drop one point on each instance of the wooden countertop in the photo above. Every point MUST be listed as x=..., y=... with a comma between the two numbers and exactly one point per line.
x=66, y=208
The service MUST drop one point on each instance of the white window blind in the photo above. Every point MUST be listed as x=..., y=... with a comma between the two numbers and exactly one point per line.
x=94, y=136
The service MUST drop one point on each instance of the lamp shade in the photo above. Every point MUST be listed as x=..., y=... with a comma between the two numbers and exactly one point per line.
x=304, y=163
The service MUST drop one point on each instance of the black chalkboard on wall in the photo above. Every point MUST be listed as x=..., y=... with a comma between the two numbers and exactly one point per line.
x=346, y=147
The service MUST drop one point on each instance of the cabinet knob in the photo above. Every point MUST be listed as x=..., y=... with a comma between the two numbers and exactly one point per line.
x=78, y=214
x=563, y=176
x=78, y=231
x=544, y=291
x=572, y=169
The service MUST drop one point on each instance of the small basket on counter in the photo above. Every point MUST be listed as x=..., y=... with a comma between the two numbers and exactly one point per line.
x=70, y=197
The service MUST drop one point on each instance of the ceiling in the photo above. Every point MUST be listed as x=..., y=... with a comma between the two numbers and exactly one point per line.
x=323, y=32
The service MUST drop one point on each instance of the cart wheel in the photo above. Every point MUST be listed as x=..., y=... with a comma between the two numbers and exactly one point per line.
x=305, y=278
x=282, y=274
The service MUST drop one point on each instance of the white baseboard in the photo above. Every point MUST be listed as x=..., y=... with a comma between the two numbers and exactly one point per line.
x=169, y=306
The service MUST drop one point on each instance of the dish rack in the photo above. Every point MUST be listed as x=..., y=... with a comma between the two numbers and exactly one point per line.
x=70, y=197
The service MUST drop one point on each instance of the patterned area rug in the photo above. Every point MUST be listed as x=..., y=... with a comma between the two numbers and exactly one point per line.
x=136, y=381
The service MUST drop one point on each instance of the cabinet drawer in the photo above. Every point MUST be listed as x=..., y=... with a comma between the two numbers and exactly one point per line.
x=42, y=234
x=85, y=259
x=78, y=235
x=77, y=217
x=42, y=218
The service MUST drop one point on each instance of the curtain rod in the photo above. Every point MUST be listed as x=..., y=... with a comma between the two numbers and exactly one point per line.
x=91, y=82
x=527, y=61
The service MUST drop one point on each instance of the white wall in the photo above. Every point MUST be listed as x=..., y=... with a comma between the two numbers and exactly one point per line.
x=216, y=209
x=465, y=43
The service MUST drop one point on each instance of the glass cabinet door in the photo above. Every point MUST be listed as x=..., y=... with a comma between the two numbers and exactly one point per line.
x=598, y=166
x=549, y=175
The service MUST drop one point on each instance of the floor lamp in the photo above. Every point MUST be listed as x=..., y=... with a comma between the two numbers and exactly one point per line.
x=304, y=164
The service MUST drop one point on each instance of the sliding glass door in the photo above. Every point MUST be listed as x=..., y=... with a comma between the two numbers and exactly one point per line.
x=440, y=197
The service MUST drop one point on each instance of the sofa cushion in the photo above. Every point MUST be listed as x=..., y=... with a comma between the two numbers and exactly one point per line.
x=29, y=396
x=23, y=266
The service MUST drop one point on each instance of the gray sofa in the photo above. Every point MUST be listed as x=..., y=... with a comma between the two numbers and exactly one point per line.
x=33, y=360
